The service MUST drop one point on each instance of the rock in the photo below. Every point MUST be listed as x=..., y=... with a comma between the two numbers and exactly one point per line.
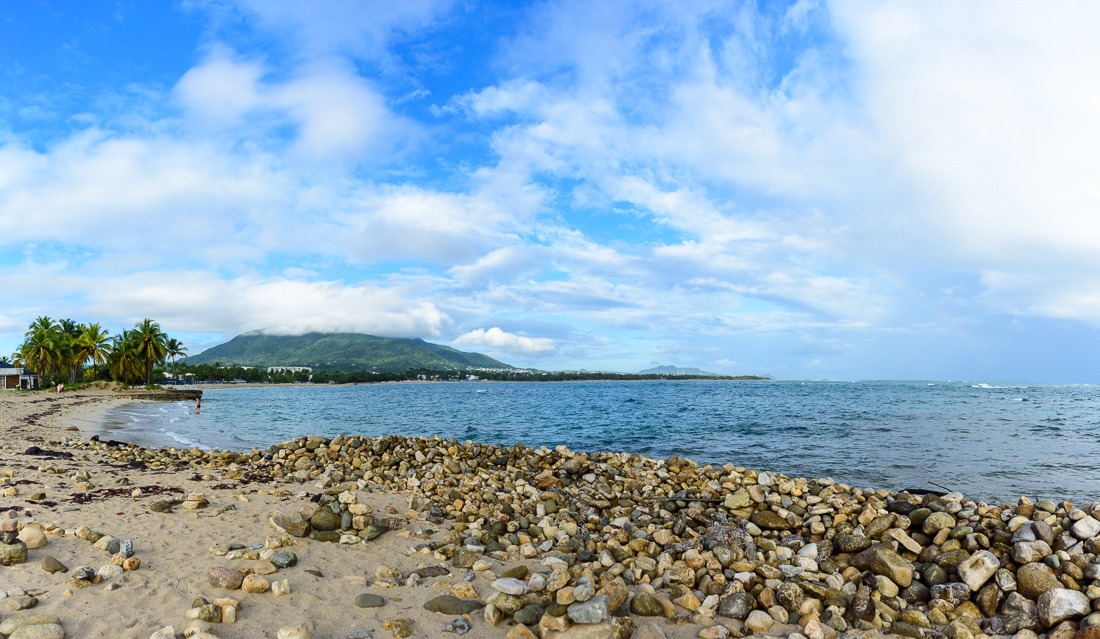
x=735, y=606
x=1026, y=552
x=510, y=586
x=283, y=559
x=769, y=520
x=451, y=605
x=399, y=628
x=25, y=602
x=886, y=562
x=12, y=554
x=33, y=537
x=648, y=630
x=325, y=520
x=255, y=584
x=294, y=632
x=1059, y=604
x=1085, y=528
x=954, y=593
x=646, y=605
x=369, y=600
x=529, y=615
x=12, y=624
x=1033, y=579
x=280, y=588
x=227, y=578
x=936, y=522
x=520, y=632
x=759, y=621
x=39, y=631
x=52, y=565
x=592, y=611
x=167, y=632
x=978, y=569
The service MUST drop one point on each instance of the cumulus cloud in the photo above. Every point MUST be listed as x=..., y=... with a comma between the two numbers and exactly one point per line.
x=197, y=302
x=499, y=340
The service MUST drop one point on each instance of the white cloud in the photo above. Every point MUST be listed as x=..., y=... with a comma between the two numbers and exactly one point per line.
x=500, y=340
x=197, y=302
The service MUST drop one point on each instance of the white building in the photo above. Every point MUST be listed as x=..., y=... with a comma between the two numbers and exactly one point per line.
x=13, y=378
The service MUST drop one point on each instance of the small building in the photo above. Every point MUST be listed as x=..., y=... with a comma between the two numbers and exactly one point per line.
x=15, y=378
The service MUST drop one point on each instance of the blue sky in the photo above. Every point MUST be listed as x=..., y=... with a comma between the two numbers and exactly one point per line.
x=805, y=190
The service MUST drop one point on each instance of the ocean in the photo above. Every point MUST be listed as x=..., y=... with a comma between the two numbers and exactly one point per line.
x=993, y=442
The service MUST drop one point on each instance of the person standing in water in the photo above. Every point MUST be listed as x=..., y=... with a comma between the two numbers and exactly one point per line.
x=198, y=404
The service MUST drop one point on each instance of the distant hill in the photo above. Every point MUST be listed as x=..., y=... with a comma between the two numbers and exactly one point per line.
x=347, y=352
x=676, y=370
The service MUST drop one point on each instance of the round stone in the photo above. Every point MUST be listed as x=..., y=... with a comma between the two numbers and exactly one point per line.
x=369, y=600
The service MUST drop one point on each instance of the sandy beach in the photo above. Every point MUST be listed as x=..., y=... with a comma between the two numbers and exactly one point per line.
x=357, y=538
x=175, y=548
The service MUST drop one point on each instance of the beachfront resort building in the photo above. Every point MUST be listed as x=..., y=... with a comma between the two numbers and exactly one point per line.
x=14, y=378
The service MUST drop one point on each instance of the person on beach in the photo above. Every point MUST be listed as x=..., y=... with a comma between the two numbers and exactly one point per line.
x=60, y=388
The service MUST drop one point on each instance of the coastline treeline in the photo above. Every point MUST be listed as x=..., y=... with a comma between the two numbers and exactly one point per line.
x=65, y=351
x=218, y=373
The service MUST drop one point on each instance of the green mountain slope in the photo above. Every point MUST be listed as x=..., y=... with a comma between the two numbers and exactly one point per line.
x=341, y=352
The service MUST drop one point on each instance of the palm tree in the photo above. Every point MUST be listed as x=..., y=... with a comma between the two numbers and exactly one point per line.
x=124, y=362
x=174, y=348
x=46, y=348
x=93, y=344
x=151, y=345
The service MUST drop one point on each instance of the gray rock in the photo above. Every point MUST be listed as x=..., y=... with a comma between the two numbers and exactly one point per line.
x=451, y=605
x=955, y=592
x=595, y=610
x=735, y=606
x=978, y=569
x=369, y=600
x=510, y=586
x=283, y=559
x=528, y=615
x=1086, y=528
x=1026, y=552
x=1059, y=604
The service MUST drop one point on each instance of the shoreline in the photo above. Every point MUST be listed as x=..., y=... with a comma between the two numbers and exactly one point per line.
x=766, y=553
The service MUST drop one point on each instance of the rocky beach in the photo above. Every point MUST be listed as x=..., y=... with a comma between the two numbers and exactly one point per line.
x=395, y=537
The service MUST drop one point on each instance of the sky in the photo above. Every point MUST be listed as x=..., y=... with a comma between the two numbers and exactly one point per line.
x=804, y=190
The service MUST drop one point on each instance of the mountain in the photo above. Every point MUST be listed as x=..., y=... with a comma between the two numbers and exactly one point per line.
x=345, y=352
x=676, y=370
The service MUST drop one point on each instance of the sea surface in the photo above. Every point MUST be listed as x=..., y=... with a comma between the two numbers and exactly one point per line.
x=993, y=442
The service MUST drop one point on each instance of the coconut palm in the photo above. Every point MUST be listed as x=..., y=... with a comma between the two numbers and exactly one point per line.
x=93, y=344
x=46, y=348
x=174, y=348
x=150, y=341
x=124, y=362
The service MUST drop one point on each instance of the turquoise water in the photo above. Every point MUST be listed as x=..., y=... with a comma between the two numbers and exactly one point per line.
x=990, y=441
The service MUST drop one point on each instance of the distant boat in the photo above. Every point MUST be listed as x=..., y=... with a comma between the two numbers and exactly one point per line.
x=482, y=390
